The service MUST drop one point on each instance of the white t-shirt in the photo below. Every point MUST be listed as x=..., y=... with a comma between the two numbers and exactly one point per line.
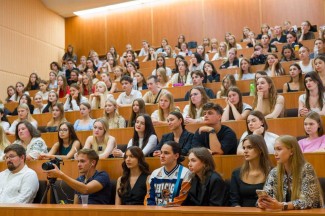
x=269, y=140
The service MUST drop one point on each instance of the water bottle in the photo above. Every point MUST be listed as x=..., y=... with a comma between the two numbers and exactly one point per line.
x=315, y=51
x=135, y=83
x=252, y=89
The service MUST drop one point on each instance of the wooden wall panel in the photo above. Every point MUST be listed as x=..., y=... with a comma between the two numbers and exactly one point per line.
x=31, y=36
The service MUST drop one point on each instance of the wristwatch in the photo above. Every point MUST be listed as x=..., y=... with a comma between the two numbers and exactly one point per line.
x=212, y=131
x=284, y=206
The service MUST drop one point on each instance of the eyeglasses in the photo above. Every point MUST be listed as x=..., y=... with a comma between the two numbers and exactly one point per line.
x=10, y=157
x=64, y=130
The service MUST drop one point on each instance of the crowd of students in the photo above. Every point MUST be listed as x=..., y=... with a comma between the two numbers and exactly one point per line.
x=291, y=185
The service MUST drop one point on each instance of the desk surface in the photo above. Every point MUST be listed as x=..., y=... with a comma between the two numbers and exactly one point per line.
x=98, y=210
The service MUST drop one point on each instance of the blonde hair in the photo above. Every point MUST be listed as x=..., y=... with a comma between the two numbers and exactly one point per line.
x=96, y=101
x=116, y=114
x=29, y=115
x=61, y=119
x=170, y=97
x=241, y=72
x=106, y=135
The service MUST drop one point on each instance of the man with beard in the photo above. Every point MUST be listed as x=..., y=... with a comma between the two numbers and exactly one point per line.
x=18, y=183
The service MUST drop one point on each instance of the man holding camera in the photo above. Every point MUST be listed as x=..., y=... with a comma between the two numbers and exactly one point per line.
x=91, y=182
x=18, y=183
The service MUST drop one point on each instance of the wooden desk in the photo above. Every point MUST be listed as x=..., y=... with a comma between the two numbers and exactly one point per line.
x=112, y=210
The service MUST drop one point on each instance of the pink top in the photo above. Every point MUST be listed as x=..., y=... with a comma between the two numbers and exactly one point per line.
x=313, y=145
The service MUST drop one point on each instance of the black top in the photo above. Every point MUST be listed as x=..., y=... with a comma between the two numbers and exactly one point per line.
x=258, y=60
x=227, y=64
x=207, y=90
x=135, y=196
x=211, y=78
x=283, y=39
x=289, y=89
x=185, y=141
x=241, y=193
x=226, y=137
x=212, y=193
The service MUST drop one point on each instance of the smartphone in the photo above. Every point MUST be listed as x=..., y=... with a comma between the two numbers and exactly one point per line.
x=261, y=193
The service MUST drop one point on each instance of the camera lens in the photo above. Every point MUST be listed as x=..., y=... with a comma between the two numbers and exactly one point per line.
x=47, y=166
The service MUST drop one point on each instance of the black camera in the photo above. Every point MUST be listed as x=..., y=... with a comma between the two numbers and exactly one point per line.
x=50, y=164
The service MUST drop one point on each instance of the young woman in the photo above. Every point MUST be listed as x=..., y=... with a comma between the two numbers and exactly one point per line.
x=145, y=48
x=314, y=98
x=292, y=40
x=91, y=65
x=163, y=79
x=192, y=112
x=184, y=50
x=82, y=66
x=114, y=119
x=256, y=124
x=68, y=144
x=39, y=106
x=258, y=56
x=33, y=82
x=131, y=69
x=110, y=63
x=20, y=91
x=267, y=100
x=141, y=81
x=178, y=58
x=319, y=62
x=210, y=73
x=74, y=99
x=296, y=82
x=53, y=99
x=246, y=31
x=222, y=52
x=130, y=57
x=252, y=175
x=196, y=62
x=101, y=94
x=162, y=48
x=288, y=54
x=43, y=89
x=116, y=56
x=54, y=66
x=201, y=51
x=23, y=114
x=173, y=174
x=235, y=109
x=227, y=82
x=264, y=30
x=161, y=63
x=86, y=122
x=305, y=63
x=169, y=53
x=183, y=77
x=232, y=59
x=4, y=142
x=24, y=99
x=245, y=71
x=314, y=129
x=69, y=54
x=138, y=107
x=151, y=55
x=232, y=43
x=272, y=66
x=11, y=94
x=266, y=46
x=28, y=136
x=181, y=39
x=207, y=186
x=131, y=187
x=101, y=141
x=57, y=118
x=144, y=136
x=118, y=73
x=86, y=85
x=92, y=73
x=3, y=120
x=213, y=45
x=293, y=184
x=178, y=134
x=53, y=83
x=165, y=106
x=63, y=88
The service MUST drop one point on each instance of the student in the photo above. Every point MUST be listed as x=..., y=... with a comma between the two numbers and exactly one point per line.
x=314, y=98
x=57, y=118
x=320, y=67
x=3, y=120
x=114, y=119
x=200, y=49
x=306, y=34
x=118, y=73
x=100, y=96
x=162, y=79
x=252, y=175
x=138, y=107
x=210, y=73
x=126, y=98
x=278, y=37
x=144, y=136
x=227, y=82
x=101, y=141
x=24, y=99
x=296, y=82
x=245, y=71
x=172, y=180
x=165, y=106
x=68, y=143
x=178, y=134
x=232, y=43
x=267, y=100
x=287, y=54
x=198, y=78
x=86, y=122
x=86, y=85
x=183, y=77
x=74, y=99
x=111, y=86
x=63, y=87
x=151, y=55
x=141, y=81
x=219, y=138
x=314, y=129
x=53, y=83
x=232, y=59
x=258, y=56
x=53, y=99
x=207, y=186
x=272, y=66
x=43, y=89
x=39, y=106
x=19, y=91
x=23, y=114
x=292, y=40
x=161, y=63
x=222, y=52
x=131, y=187
x=196, y=62
x=192, y=112
x=33, y=82
x=257, y=125
x=11, y=94
x=235, y=109
x=305, y=63
x=292, y=172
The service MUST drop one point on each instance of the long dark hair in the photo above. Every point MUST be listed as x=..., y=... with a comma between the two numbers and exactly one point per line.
x=72, y=136
x=301, y=80
x=214, y=70
x=261, y=117
x=239, y=105
x=76, y=86
x=164, y=62
x=149, y=130
x=206, y=158
x=176, y=66
x=142, y=110
x=125, y=178
x=179, y=116
x=315, y=77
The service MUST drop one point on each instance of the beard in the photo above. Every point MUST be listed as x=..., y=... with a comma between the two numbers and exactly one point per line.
x=11, y=166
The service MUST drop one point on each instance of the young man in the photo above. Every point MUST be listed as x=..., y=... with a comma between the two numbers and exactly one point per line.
x=152, y=96
x=197, y=78
x=318, y=49
x=18, y=183
x=70, y=66
x=219, y=138
x=92, y=182
x=126, y=98
x=279, y=38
